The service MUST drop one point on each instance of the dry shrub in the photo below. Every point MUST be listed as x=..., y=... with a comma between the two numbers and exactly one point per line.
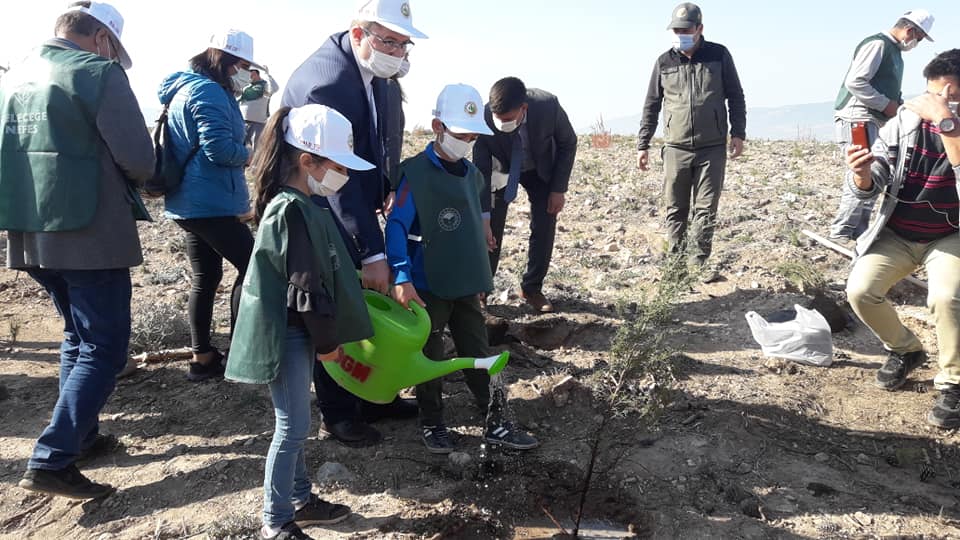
x=157, y=326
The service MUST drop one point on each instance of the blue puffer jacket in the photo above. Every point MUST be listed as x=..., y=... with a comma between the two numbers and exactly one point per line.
x=201, y=112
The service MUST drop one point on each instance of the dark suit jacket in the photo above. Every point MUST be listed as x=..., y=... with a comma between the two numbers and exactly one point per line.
x=331, y=77
x=392, y=129
x=553, y=143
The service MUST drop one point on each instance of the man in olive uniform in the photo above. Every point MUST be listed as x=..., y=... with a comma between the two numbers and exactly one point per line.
x=68, y=202
x=695, y=82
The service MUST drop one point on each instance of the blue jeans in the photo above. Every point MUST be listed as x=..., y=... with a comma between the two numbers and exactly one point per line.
x=286, y=483
x=95, y=307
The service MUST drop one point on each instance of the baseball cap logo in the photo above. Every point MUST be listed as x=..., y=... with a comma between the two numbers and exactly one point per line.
x=681, y=13
x=470, y=108
x=405, y=9
x=350, y=141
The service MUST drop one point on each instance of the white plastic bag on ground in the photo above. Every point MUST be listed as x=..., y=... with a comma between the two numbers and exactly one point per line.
x=806, y=339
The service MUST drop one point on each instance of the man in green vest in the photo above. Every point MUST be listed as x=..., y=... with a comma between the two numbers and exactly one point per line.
x=870, y=94
x=437, y=242
x=73, y=148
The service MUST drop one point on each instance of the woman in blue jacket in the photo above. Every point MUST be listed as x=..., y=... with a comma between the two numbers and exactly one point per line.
x=212, y=203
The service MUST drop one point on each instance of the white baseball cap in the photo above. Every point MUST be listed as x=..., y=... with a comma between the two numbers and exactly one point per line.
x=235, y=42
x=111, y=18
x=324, y=132
x=392, y=14
x=460, y=108
x=922, y=18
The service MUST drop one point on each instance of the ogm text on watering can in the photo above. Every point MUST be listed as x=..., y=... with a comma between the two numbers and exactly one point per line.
x=352, y=367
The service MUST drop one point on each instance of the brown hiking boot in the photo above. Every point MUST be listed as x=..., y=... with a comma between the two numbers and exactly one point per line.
x=538, y=302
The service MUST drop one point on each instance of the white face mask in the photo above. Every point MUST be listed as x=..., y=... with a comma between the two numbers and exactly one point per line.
x=332, y=182
x=241, y=79
x=511, y=126
x=404, y=68
x=453, y=147
x=908, y=45
x=381, y=64
x=684, y=42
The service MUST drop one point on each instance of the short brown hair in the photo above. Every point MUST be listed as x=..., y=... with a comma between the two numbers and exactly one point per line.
x=76, y=22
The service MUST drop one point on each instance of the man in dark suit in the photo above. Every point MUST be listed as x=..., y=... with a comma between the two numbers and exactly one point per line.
x=535, y=146
x=348, y=73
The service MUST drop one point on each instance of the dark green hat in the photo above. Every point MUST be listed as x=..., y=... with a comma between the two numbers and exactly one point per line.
x=686, y=15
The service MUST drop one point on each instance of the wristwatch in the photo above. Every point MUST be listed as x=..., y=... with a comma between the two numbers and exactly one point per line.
x=948, y=125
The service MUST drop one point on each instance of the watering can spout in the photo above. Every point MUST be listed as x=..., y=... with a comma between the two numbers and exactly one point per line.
x=378, y=368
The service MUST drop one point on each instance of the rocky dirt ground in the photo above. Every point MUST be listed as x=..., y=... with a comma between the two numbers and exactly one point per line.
x=745, y=447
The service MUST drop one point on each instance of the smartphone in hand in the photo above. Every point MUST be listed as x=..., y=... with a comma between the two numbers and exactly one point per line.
x=858, y=135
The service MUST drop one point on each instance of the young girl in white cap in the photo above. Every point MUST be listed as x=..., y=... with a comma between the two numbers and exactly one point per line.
x=301, y=299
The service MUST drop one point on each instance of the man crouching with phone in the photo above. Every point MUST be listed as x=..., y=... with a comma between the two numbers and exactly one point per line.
x=914, y=163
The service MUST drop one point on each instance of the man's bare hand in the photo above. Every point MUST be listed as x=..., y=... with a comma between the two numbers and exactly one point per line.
x=488, y=233
x=376, y=276
x=643, y=160
x=931, y=107
x=555, y=203
x=736, y=147
x=891, y=109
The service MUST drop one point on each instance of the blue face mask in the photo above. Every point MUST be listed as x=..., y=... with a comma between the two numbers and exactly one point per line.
x=684, y=42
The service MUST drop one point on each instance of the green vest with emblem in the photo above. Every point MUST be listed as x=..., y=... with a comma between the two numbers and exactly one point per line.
x=887, y=80
x=49, y=144
x=259, y=339
x=454, y=245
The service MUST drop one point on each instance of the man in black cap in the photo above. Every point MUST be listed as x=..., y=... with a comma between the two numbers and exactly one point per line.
x=695, y=130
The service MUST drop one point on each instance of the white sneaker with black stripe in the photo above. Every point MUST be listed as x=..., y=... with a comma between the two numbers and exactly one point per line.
x=506, y=434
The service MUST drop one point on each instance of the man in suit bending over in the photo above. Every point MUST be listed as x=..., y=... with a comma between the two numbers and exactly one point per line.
x=535, y=146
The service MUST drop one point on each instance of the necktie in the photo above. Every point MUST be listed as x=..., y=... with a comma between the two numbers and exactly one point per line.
x=516, y=162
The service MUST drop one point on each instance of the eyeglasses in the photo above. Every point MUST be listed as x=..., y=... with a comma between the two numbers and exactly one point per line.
x=390, y=45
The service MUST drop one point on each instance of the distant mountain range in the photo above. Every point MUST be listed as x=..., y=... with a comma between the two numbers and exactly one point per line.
x=787, y=123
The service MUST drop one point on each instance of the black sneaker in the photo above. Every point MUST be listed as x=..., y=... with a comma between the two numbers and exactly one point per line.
x=320, y=512
x=946, y=412
x=506, y=434
x=290, y=531
x=214, y=370
x=102, y=446
x=68, y=482
x=437, y=439
x=894, y=372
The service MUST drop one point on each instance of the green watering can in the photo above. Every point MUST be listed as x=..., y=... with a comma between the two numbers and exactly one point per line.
x=377, y=369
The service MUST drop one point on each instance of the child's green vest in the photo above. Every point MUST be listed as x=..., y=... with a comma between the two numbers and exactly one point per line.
x=888, y=78
x=454, y=244
x=49, y=145
x=259, y=337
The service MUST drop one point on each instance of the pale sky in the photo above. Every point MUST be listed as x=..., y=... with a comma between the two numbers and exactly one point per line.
x=596, y=56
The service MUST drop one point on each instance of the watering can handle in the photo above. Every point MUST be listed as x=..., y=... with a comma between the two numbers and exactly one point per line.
x=423, y=318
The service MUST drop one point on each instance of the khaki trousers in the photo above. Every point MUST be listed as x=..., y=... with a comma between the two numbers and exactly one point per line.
x=890, y=259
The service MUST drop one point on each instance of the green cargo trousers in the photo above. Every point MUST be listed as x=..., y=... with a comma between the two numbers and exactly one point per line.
x=693, y=181
x=469, y=330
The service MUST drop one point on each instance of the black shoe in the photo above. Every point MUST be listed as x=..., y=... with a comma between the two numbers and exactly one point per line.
x=506, y=434
x=102, y=446
x=437, y=439
x=68, y=482
x=320, y=512
x=353, y=433
x=214, y=370
x=894, y=372
x=290, y=531
x=946, y=412
x=397, y=409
